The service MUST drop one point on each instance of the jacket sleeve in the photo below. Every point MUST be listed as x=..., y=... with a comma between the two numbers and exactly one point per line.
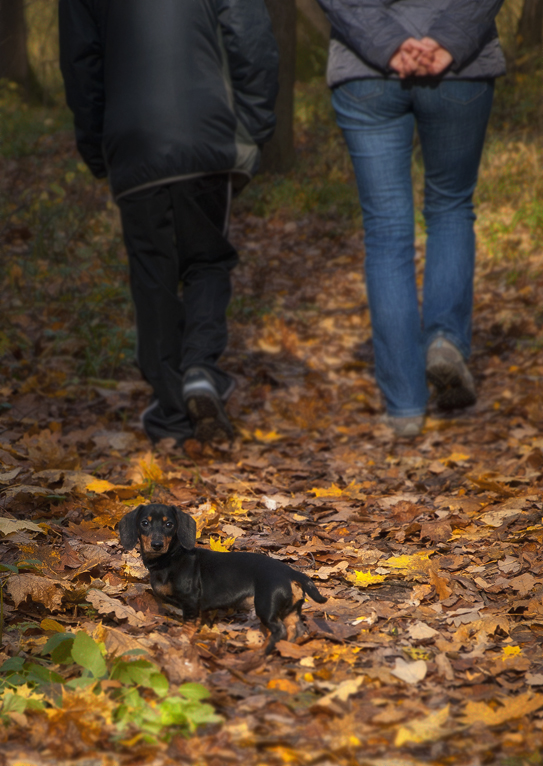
x=253, y=62
x=463, y=27
x=81, y=63
x=367, y=27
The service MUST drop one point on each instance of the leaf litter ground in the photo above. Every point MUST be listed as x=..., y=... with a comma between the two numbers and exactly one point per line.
x=428, y=650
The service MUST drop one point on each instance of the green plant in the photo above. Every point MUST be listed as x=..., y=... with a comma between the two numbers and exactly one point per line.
x=140, y=696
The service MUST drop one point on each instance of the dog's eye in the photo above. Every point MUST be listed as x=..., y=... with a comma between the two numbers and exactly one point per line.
x=168, y=525
x=145, y=523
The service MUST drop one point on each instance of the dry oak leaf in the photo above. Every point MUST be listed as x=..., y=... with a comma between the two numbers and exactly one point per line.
x=427, y=729
x=7, y=526
x=410, y=672
x=497, y=518
x=510, y=708
x=523, y=583
x=40, y=589
x=24, y=489
x=106, y=605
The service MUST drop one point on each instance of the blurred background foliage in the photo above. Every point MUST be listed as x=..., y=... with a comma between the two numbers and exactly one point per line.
x=64, y=291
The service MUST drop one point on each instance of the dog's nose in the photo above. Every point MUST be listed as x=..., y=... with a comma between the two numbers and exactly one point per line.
x=156, y=546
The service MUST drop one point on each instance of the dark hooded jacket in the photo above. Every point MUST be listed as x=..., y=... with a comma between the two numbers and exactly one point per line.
x=164, y=90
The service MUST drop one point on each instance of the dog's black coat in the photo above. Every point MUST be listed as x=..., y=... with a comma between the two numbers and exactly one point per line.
x=198, y=580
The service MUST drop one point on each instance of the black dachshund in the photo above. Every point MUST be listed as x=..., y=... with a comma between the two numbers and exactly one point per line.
x=198, y=580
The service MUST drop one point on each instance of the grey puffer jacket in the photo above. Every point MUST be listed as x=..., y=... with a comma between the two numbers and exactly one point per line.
x=366, y=33
x=163, y=90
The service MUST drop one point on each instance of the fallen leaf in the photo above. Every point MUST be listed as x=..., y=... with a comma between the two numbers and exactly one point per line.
x=363, y=579
x=222, y=546
x=41, y=589
x=421, y=631
x=510, y=708
x=106, y=605
x=427, y=729
x=410, y=672
x=342, y=692
x=8, y=526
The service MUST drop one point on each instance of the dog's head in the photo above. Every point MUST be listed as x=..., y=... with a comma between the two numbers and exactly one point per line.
x=158, y=528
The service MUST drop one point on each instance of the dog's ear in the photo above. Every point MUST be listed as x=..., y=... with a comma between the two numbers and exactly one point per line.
x=128, y=529
x=186, y=528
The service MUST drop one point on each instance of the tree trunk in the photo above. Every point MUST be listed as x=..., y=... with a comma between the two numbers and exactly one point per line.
x=13, y=54
x=530, y=27
x=278, y=156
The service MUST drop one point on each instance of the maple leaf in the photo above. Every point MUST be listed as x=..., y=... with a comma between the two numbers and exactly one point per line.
x=363, y=579
x=223, y=546
x=509, y=709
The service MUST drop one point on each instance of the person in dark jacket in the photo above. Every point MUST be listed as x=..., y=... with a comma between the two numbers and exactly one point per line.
x=394, y=64
x=172, y=102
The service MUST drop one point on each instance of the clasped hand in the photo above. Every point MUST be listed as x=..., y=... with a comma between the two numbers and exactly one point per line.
x=420, y=58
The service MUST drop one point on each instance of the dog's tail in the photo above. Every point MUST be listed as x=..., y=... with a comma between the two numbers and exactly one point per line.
x=308, y=586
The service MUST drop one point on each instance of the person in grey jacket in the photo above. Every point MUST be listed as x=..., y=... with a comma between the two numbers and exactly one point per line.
x=172, y=101
x=394, y=64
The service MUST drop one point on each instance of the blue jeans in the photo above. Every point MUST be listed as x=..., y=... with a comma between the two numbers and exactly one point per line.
x=377, y=117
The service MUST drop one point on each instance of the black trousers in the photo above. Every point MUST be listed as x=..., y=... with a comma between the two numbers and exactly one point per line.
x=180, y=262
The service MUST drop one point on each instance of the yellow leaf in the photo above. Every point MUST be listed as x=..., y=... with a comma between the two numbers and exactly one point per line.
x=149, y=469
x=512, y=707
x=427, y=729
x=334, y=491
x=455, y=457
x=100, y=486
x=50, y=624
x=413, y=563
x=25, y=691
x=271, y=436
x=234, y=505
x=284, y=685
x=221, y=546
x=417, y=654
x=363, y=579
x=511, y=651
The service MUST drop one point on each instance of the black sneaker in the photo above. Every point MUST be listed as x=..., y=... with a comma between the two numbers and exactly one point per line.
x=205, y=407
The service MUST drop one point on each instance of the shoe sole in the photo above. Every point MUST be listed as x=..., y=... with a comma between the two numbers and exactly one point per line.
x=452, y=392
x=208, y=418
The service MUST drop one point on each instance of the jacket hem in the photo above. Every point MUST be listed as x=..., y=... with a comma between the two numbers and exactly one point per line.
x=174, y=179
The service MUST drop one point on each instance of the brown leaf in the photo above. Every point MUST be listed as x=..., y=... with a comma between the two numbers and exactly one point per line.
x=106, y=605
x=440, y=584
x=436, y=531
x=41, y=589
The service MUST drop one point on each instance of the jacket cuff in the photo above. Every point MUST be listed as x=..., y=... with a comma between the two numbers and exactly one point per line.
x=454, y=40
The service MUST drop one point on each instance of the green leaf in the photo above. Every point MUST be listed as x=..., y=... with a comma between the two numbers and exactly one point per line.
x=194, y=691
x=9, y=568
x=86, y=652
x=159, y=684
x=12, y=703
x=59, y=647
x=37, y=674
x=14, y=664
